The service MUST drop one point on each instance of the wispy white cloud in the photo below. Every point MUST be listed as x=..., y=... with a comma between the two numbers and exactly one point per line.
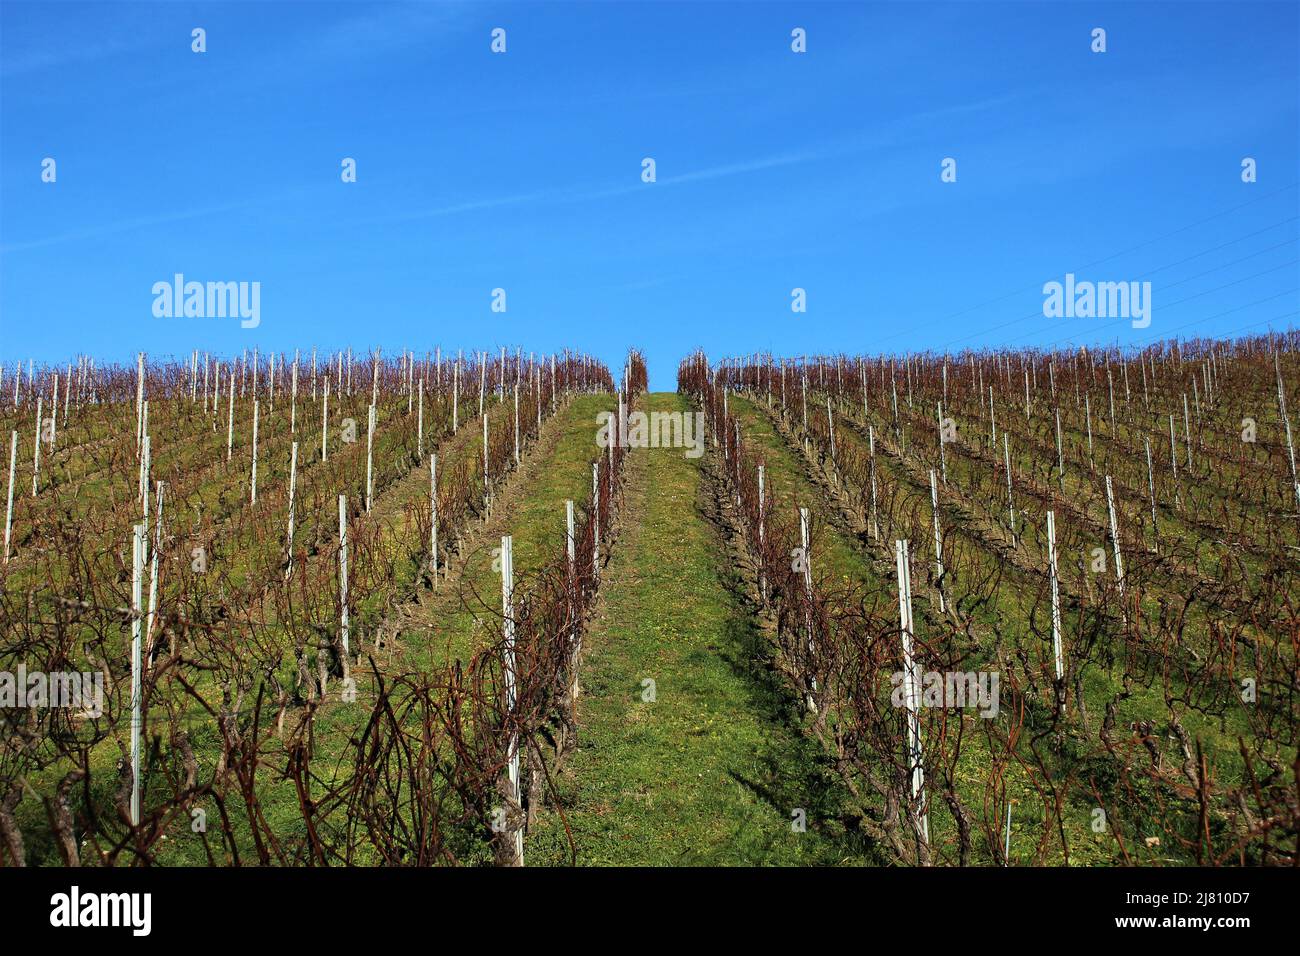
x=891, y=136
x=63, y=52
x=381, y=30
x=738, y=169
x=561, y=196
x=128, y=225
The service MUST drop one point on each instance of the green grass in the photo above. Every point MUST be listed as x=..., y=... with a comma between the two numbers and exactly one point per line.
x=832, y=554
x=712, y=770
x=531, y=505
x=450, y=621
x=1006, y=615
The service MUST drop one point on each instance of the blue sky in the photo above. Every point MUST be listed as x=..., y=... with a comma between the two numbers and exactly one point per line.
x=522, y=171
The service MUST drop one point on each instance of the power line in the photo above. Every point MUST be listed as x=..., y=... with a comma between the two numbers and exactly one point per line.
x=1141, y=245
x=1038, y=313
x=1227, y=285
x=1163, y=333
x=1199, y=275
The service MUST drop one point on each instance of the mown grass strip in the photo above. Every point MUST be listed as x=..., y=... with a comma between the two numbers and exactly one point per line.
x=712, y=769
x=448, y=622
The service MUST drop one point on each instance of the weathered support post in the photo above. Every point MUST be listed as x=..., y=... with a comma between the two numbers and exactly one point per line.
x=9, y=509
x=374, y=378
x=139, y=400
x=1056, y=595
x=144, y=458
x=153, y=575
x=575, y=639
x=370, y=455
x=595, y=519
x=938, y=541
x=893, y=388
x=1011, y=501
x=1114, y=537
x=1173, y=449
x=325, y=423
x=293, y=485
x=993, y=422
x=36, y=455
x=487, y=485
x=862, y=367
x=253, y=486
x=1060, y=455
x=1151, y=492
x=912, y=695
x=943, y=455
x=1281, y=407
x=482, y=379
x=146, y=463
x=343, y=579
x=808, y=597
x=569, y=545
x=515, y=822
x=871, y=447
x=803, y=381
x=433, y=517
x=137, y=615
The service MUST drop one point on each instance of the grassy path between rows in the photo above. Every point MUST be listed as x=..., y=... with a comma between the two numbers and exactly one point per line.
x=449, y=621
x=712, y=769
x=1007, y=617
x=530, y=505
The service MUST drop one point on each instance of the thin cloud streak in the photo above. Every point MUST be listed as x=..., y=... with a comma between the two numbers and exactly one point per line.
x=702, y=175
x=127, y=225
x=553, y=197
